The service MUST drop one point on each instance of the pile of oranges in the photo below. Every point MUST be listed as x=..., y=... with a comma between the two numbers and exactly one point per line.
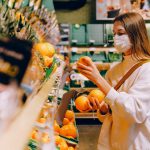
x=47, y=51
x=42, y=137
x=62, y=144
x=82, y=102
x=37, y=134
x=68, y=130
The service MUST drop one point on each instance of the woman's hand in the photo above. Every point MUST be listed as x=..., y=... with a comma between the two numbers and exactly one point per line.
x=89, y=70
x=95, y=104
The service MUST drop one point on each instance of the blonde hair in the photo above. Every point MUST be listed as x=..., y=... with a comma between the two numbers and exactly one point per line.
x=135, y=27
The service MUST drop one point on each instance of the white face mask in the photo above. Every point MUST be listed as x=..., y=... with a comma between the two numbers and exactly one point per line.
x=122, y=43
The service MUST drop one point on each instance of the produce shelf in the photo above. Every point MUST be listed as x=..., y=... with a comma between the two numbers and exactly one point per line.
x=89, y=115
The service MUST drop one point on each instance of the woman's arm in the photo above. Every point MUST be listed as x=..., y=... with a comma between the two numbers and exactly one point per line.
x=132, y=105
x=91, y=72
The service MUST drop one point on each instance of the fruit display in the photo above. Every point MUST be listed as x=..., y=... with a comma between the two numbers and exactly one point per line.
x=36, y=23
x=42, y=131
x=32, y=22
x=43, y=64
x=66, y=135
x=45, y=49
x=44, y=52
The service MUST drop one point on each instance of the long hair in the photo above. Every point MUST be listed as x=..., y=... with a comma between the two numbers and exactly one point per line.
x=135, y=27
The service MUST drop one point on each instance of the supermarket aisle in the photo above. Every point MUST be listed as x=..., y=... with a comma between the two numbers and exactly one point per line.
x=88, y=136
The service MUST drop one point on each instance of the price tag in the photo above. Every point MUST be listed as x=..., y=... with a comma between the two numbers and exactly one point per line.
x=112, y=50
x=92, y=49
x=92, y=41
x=74, y=49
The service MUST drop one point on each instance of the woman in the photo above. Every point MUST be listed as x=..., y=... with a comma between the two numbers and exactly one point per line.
x=127, y=125
x=14, y=58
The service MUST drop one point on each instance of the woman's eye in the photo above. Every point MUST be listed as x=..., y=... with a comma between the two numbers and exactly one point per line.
x=121, y=34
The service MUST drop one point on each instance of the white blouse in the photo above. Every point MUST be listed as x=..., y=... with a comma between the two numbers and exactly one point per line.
x=128, y=127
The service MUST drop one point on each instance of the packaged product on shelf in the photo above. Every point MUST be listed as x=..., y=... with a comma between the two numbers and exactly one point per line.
x=43, y=127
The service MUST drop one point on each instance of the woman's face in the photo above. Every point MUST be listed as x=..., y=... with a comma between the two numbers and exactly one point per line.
x=119, y=30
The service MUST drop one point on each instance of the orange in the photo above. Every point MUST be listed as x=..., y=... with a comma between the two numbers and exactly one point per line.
x=97, y=94
x=70, y=115
x=44, y=134
x=73, y=131
x=56, y=127
x=45, y=49
x=45, y=138
x=70, y=137
x=63, y=146
x=71, y=148
x=42, y=120
x=68, y=130
x=66, y=121
x=34, y=134
x=100, y=1
x=71, y=122
x=81, y=103
x=58, y=140
x=84, y=60
x=47, y=61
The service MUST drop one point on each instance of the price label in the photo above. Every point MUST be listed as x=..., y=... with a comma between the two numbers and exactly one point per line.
x=74, y=49
x=92, y=49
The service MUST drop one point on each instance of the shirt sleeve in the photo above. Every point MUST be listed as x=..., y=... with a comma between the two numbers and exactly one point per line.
x=133, y=104
x=101, y=117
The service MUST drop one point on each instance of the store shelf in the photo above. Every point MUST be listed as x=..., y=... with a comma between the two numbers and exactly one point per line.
x=88, y=115
x=93, y=48
x=85, y=89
